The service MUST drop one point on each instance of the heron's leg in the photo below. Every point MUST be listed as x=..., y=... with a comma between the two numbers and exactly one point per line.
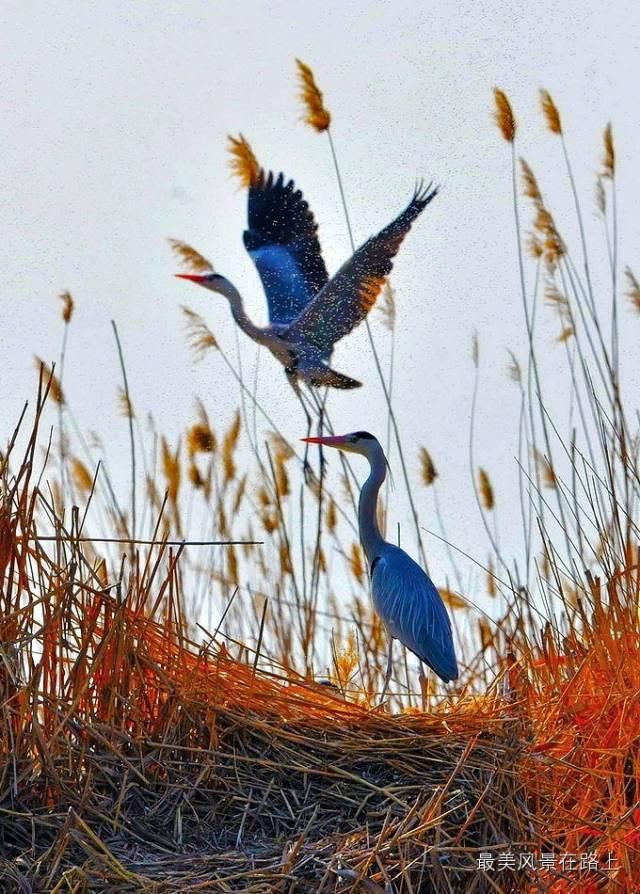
x=292, y=379
x=387, y=676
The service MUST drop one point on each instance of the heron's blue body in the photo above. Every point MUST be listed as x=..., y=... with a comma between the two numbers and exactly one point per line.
x=403, y=595
x=412, y=610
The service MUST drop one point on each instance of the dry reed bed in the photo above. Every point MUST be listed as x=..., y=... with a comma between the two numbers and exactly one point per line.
x=135, y=760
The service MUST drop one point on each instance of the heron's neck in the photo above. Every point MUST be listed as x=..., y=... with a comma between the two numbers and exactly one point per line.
x=372, y=540
x=234, y=298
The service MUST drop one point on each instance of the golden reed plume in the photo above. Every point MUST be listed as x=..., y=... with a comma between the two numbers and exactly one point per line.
x=504, y=115
x=609, y=158
x=317, y=115
x=67, y=306
x=50, y=378
x=243, y=162
x=191, y=259
x=427, y=467
x=485, y=489
x=550, y=112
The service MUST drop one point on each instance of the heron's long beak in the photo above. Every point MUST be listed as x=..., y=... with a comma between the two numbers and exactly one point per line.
x=192, y=277
x=338, y=441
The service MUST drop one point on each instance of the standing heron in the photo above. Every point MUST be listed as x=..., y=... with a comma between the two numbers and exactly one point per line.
x=308, y=312
x=404, y=596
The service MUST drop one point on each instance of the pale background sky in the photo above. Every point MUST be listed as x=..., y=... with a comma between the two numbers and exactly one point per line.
x=113, y=130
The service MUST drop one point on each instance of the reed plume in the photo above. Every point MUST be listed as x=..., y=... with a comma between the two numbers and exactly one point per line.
x=633, y=289
x=82, y=478
x=201, y=439
x=49, y=377
x=68, y=306
x=427, y=467
x=550, y=112
x=317, y=115
x=244, y=165
x=485, y=489
x=201, y=339
x=504, y=115
x=609, y=157
x=191, y=259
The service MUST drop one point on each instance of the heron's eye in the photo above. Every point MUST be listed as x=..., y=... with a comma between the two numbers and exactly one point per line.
x=353, y=439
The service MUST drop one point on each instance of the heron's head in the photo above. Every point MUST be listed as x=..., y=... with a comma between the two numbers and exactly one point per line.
x=356, y=442
x=212, y=281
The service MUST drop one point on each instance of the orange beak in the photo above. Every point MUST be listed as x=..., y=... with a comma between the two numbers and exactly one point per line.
x=192, y=277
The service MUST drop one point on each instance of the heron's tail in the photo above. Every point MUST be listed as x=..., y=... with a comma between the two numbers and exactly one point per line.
x=333, y=379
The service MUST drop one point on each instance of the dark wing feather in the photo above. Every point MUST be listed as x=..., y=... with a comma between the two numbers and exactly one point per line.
x=413, y=611
x=283, y=243
x=351, y=293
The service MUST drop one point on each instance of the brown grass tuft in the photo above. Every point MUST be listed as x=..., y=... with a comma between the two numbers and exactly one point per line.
x=550, y=112
x=546, y=470
x=243, y=162
x=633, y=289
x=609, y=157
x=531, y=188
x=427, y=467
x=81, y=476
x=195, y=477
x=492, y=589
x=453, y=600
x=171, y=470
x=317, y=115
x=229, y=445
x=504, y=115
x=201, y=339
x=485, y=489
x=191, y=259
x=67, y=306
x=356, y=562
x=201, y=439
x=331, y=516
x=49, y=377
x=125, y=405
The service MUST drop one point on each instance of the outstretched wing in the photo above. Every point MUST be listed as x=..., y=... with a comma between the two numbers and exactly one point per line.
x=413, y=611
x=351, y=293
x=283, y=243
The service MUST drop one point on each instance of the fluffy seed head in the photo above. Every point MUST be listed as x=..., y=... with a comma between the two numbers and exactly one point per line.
x=427, y=467
x=485, y=489
x=191, y=260
x=243, y=162
x=316, y=113
x=609, y=157
x=503, y=115
x=550, y=112
x=67, y=306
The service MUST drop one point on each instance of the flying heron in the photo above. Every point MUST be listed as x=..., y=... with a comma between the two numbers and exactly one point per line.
x=404, y=596
x=308, y=312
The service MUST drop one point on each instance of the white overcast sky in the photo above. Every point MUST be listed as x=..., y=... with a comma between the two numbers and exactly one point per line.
x=113, y=126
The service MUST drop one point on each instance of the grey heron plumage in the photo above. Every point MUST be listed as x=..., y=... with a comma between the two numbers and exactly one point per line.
x=403, y=594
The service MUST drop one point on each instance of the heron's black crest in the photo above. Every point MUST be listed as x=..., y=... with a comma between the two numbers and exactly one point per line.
x=364, y=434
